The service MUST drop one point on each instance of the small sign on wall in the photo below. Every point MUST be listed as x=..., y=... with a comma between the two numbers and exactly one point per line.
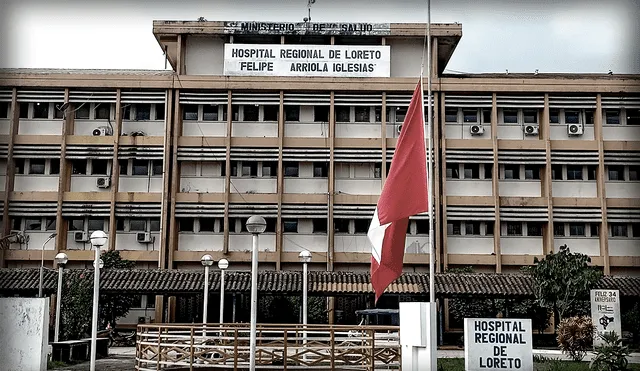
x=497, y=344
x=605, y=313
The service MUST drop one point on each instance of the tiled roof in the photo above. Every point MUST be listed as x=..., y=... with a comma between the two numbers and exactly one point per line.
x=290, y=282
x=70, y=71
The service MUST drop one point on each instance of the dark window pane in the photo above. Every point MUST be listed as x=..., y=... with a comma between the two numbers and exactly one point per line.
x=102, y=111
x=488, y=171
x=556, y=172
x=362, y=114
x=471, y=171
x=290, y=226
x=576, y=229
x=157, y=167
x=251, y=113
x=138, y=225
x=36, y=166
x=377, y=112
x=361, y=226
x=616, y=172
x=4, y=110
x=319, y=225
x=422, y=226
x=41, y=110
x=486, y=115
x=186, y=225
x=453, y=228
x=154, y=224
x=512, y=171
x=530, y=116
x=453, y=171
x=190, y=112
x=534, y=229
x=99, y=167
x=571, y=117
x=633, y=116
x=558, y=229
x=82, y=110
x=320, y=169
x=32, y=224
x=234, y=168
x=249, y=168
x=126, y=112
x=16, y=223
x=291, y=169
x=271, y=113
x=451, y=115
x=24, y=110
x=531, y=172
x=76, y=224
x=634, y=172
x=50, y=223
x=592, y=171
x=292, y=113
x=514, y=229
x=321, y=113
x=619, y=230
x=470, y=115
x=271, y=225
x=635, y=230
x=209, y=112
x=140, y=167
x=574, y=172
x=554, y=116
x=124, y=164
x=120, y=224
x=488, y=229
x=595, y=229
x=19, y=165
x=471, y=228
x=377, y=170
x=269, y=169
x=96, y=224
x=207, y=224
x=79, y=166
x=341, y=225
x=510, y=116
x=342, y=113
x=159, y=111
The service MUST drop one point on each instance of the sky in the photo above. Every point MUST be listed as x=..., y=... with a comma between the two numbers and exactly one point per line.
x=580, y=36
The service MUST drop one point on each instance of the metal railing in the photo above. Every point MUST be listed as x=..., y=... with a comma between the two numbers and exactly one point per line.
x=279, y=347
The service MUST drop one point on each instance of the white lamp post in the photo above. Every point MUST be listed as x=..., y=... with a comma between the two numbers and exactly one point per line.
x=223, y=264
x=98, y=239
x=61, y=259
x=255, y=225
x=206, y=261
x=51, y=236
x=305, y=258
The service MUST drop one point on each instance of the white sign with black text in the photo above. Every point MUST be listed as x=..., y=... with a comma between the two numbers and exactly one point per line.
x=605, y=313
x=498, y=344
x=306, y=60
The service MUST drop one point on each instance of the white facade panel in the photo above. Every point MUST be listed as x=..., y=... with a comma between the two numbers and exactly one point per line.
x=254, y=129
x=416, y=244
x=87, y=183
x=36, y=239
x=406, y=57
x=243, y=242
x=585, y=245
x=359, y=186
x=306, y=185
x=392, y=130
x=519, y=245
x=86, y=127
x=511, y=132
x=204, y=55
x=520, y=188
x=460, y=131
x=40, y=127
x=73, y=245
x=622, y=189
x=254, y=185
x=306, y=129
x=5, y=126
x=459, y=187
x=312, y=242
x=351, y=243
x=204, y=129
x=199, y=184
x=620, y=132
x=469, y=245
x=559, y=132
x=140, y=184
x=35, y=183
x=200, y=241
x=149, y=128
x=358, y=130
x=580, y=189
x=624, y=247
x=127, y=241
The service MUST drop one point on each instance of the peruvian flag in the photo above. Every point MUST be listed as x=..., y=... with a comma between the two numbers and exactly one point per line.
x=404, y=194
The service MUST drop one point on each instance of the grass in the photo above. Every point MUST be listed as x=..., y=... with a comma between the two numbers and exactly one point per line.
x=52, y=365
x=457, y=364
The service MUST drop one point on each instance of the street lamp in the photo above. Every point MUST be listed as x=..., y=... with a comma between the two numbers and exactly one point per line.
x=61, y=259
x=206, y=261
x=223, y=264
x=98, y=239
x=100, y=264
x=305, y=258
x=255, y=225
x=51, y=236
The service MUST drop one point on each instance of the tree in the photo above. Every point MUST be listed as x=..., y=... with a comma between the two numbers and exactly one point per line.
x=77, y=300
x=563, y=279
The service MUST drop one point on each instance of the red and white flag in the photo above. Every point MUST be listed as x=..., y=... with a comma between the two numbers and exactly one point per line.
x=404, y=194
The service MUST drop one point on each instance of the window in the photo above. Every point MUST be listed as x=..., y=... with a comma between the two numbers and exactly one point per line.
x=78, y=167
x=556, y=172
x=292, y=113
x=453, y=171
x=361, y=226
x=362, y=114
x=612, y=117
x=190, y=112
x=558, y=229
x=595, y=229
x=102, y=111
x=291, y=169
x=82, y=111
x=401, y=112
x=589, y=117
x=634, y=171
x=422, y=227
x=271, y=113
x=156, y=166
x=486, y=115
x=76, y=224
x=207, y=224
x=251, y=113
x=124, y=165
x=24, y=110
x=554, y=116
x=32, y=224
x=633, y=116
x=319, y=225
x=126, y=112
x=514, y=229
x=54, y=166
x=470, y=115
x=532, y=172
x=341, y=225
x=140, y=167
x=143, y=112
x=592, y=172
x=50, y=223
x=321, y=113
x=530, y=116
x=186, y=225
x=36, y=166
x=488, y=229
x=510, y=116
x=616, y=172
x=511, y=171
x=290, y=226
x=377, y=170
x=471, y=171
x=453, y=228
x=99, y=167
x=269, y=169
x=235, y=113
x=209, y=112
x=41, y=110
x=471, y=228
x=618, y=230
x=320, y=169
x=534, y=229
x=159, y=111
x=137, y=225
x=19, y=165
x=4, y=110
x=488, y=171
x=342, y=113
x=119, y=224
x=577, y=229
x=154, y=224
x=572, y=117
x=249, y=168
x=96, y=224
x=574, y=172
x=635, y=229
x=451, y=115
x=271, y=225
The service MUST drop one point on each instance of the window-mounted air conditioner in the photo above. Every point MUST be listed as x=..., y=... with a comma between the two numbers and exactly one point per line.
x=103, y=182
x=144, y=237
x=531, y=130
x=575, y=129
x=102, y=131
x=476, y=129
x=80, y=236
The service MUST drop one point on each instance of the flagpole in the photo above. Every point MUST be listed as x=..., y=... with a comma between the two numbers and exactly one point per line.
x=432, y=260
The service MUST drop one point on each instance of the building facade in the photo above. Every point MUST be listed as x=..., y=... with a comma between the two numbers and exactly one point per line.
x=298, y=123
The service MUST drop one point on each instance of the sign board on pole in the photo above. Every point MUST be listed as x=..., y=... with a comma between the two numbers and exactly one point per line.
x=497, y=344
x=307, y=60
x=605, y=313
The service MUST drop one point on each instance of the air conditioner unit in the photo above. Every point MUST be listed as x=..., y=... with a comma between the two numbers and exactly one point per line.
x=103, y=182
x=575, y=129
x=476, y=129
x=144, y=237
x=531, y=130
x=142, y=320
x=399, y=129
x=80, y=236
x=102, y=131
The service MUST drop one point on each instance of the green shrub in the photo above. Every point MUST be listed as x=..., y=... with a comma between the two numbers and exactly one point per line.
x=575, y=336
x=612, y=355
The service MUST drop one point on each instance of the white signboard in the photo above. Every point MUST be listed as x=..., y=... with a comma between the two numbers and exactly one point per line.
x=306, y=60
x=307, y=28
x=497, y=344
x=605, y=313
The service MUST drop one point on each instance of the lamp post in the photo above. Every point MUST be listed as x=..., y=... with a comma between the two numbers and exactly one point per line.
x=98, y=239
x=61, y=259
x=305, y=258
x=223, y=264
x=51, y=236
x=255, y=225
x=206, y=261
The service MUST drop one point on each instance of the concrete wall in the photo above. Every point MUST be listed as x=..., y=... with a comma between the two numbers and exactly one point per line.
x=40, y=127
x=24, y=325
x=582, y=188
x=473, y=187
x=204, y=56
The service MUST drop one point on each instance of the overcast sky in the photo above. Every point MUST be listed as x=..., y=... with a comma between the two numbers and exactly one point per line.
x=519, y=35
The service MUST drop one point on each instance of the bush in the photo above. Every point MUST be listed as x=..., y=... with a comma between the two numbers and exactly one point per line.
x=575, y=336
x=612, y=355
